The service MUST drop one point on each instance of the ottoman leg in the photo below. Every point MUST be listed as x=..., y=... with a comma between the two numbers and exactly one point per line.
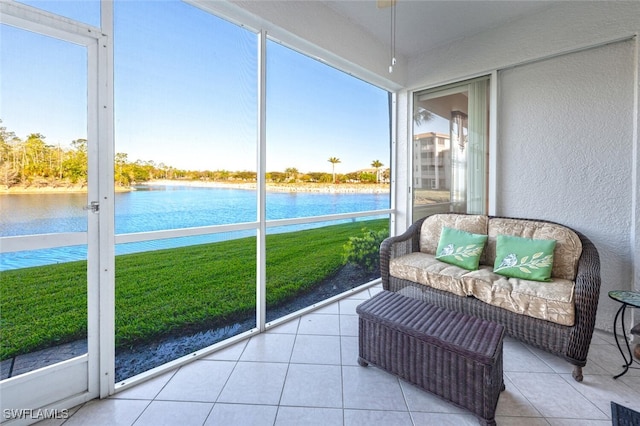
x=362, y=362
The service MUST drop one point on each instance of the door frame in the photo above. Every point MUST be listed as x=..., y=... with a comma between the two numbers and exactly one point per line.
x=77, y=380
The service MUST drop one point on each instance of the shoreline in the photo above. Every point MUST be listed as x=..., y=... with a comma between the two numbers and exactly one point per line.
x=281, y=187
x=21, y=190
x=340, y=188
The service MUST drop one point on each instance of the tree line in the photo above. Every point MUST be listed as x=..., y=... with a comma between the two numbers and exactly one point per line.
x=32, y=162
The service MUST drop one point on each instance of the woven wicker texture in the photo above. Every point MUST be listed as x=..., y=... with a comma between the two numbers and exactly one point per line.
x=571, y=343
x=449, y=354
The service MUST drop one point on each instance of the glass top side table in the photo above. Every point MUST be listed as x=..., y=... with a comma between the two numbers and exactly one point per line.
x=626, y=298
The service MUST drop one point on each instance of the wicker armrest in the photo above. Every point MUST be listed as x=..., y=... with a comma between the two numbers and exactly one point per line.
x=587, y=294
x=397, y=246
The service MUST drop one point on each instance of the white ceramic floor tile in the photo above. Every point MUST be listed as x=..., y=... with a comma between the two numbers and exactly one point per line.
x=108, y=412
x=348, y=325
x=371, y=388
x=312, y=349
x=230, y=353
x=62, y=417
x=517, y=357
x=375, y=290
x=328, y=309
x=146, y=390
x=512, y=403
x=419, y=400
x=242, y=414
x=444, y=419
x=289, y=327
x=602, y=337
x=311, y=385
x=557, y=364
x=320, y=324
x=199, y=381
x=607, y=357
x=361, y=295
x=170, y=413
x=578, y=422
x=303, y=371
x=631, y=381
x=348, y=306
x=376, y=417
x=255, y=383
x=297, y=416
x=349, y=350
x=269, y=347
x=601, y=390
x=552, y=396
x=521, y=421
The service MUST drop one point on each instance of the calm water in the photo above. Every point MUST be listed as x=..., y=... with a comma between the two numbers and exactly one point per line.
x=153, y=208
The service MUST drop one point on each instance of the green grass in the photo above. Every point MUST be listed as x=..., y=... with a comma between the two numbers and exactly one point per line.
x=165, y=292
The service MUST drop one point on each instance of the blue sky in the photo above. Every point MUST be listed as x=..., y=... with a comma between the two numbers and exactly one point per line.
x=185, y=90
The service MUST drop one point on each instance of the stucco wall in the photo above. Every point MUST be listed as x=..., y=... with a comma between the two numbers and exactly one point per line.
x=567, y=130
x=565, y=149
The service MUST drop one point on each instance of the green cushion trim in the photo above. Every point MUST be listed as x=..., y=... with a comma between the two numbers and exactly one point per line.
x=460, y=248
x=524, y=258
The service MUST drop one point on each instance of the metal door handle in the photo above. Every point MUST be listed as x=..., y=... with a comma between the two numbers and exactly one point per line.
x=94, y=206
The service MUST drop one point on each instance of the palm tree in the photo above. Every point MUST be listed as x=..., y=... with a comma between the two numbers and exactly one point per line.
x=421, y=115
x=376, y=165
x=334, y=161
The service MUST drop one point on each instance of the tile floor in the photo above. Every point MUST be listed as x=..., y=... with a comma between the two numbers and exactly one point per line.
x=304, y=372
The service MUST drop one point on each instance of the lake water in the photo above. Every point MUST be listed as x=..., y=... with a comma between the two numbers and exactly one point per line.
x=153, y=208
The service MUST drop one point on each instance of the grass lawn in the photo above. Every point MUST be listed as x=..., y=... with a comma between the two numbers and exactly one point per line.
x=170, y=291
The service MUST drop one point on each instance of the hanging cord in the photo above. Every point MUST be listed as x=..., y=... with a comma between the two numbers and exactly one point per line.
x=393, y=35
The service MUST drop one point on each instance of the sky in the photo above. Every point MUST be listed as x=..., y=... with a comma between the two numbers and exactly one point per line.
x=186, y=93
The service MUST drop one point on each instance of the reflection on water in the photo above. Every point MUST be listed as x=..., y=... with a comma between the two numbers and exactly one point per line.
x=153, y=208
x=30, y=214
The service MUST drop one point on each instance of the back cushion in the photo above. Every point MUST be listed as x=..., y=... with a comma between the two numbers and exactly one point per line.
x=568, y=247
x=432, y=227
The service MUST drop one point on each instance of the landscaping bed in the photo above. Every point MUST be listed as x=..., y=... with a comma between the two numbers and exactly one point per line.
x=142, y=357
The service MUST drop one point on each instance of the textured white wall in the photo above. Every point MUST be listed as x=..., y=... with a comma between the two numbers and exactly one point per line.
x=565, y=149
x=562, y=28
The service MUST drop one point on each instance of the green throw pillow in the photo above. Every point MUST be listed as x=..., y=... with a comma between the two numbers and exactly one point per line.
x=460, y=248
x=524, y=258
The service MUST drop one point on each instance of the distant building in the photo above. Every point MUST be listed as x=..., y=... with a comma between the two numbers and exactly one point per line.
x=431, y=161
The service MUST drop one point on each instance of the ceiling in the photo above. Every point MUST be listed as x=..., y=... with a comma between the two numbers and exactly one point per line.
x=423, y=25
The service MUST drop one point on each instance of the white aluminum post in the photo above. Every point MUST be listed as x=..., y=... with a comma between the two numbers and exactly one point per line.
x=493, y=143
x=261, y=260
x=393, y=135
x=106, y=192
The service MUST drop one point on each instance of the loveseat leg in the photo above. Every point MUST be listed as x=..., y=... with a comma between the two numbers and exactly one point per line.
x=577, y=373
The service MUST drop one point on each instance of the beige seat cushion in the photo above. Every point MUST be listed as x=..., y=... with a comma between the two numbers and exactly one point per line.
x=423, y=268
x=552, y=301
x=568, y=245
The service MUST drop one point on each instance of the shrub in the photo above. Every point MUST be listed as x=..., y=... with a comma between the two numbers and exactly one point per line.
x=365, y=250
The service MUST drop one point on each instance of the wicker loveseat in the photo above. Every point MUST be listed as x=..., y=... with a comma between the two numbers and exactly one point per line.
x=557, y=316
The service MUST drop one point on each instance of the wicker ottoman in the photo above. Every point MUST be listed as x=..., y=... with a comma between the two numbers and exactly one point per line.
x=452, y=355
